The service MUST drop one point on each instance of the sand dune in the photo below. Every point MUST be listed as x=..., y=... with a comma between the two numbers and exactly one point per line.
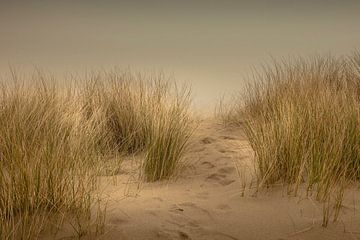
x=207, y=201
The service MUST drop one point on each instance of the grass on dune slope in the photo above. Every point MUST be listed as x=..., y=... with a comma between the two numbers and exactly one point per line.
x=43, y=149
x=144, y=114
x=302, y=119
x=55, y=140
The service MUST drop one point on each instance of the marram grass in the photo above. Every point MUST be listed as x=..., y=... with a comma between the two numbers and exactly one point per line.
x=167, y=142
x=42, y=151
x=302, y=118
x=55, y=140
x=148, y=114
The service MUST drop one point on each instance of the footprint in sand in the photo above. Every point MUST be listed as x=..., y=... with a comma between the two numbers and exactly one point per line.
x=207, y=164
x=228, y=138
x=220, y=179
x=192, y=207
x=207, y=140
x=226, y=151
x=187, y=209
x=181, y=218
x=183, y=235
x=226, y=170
x=216, y=177
x=226, y=182
x=176, y=209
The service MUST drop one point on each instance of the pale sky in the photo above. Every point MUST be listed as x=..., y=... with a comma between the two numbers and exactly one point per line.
x=211, y=44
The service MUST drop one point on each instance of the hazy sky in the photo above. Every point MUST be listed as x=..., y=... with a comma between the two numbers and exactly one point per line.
x=212, y=44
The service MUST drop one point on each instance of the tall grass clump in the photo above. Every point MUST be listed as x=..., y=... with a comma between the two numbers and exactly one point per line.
x=302, y=118
x=171, y=128
x=144, y=114
x=46, y=156
x=55, y=140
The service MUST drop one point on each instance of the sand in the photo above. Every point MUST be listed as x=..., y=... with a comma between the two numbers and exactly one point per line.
x=207, y=199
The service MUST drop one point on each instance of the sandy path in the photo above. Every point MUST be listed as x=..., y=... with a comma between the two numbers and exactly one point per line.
x=206, y=202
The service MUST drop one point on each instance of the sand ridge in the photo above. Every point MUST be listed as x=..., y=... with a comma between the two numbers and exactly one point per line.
x=207, y=199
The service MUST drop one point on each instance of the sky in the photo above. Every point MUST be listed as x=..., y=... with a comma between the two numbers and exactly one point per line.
x=213, y=45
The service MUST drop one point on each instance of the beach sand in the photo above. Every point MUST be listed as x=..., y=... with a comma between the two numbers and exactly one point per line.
x=207, y=199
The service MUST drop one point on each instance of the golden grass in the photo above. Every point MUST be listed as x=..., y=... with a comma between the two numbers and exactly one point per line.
x=171, y=129
x=55, y=140
x=302, y=120
x=144, y=114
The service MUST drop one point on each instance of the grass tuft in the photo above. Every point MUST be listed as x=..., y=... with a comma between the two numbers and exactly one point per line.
x=55, y=140
x=302, y=118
